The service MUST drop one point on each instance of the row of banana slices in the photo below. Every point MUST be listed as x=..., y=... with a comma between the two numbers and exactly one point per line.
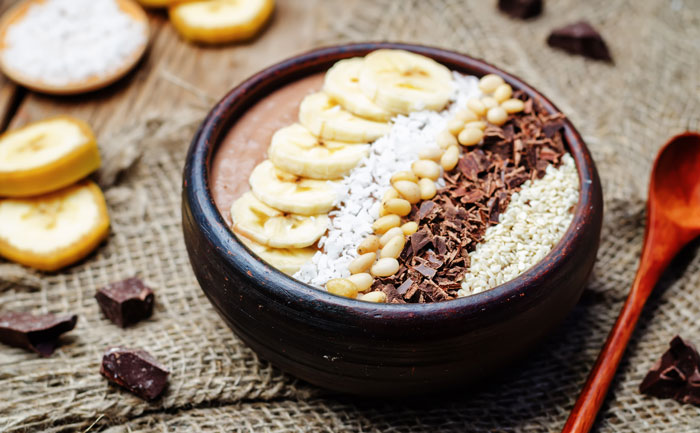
x=285, y=213
x=50, y=218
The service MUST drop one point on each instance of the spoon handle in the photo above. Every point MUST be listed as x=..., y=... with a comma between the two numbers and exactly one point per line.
x=656, y=255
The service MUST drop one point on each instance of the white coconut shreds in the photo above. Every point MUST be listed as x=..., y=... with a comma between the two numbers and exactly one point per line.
x=60, y=42
x=360, y=192
x=535, y=220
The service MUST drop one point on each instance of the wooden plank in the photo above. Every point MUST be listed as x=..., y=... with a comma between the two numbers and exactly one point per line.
x=176, y=74
x=9, y=92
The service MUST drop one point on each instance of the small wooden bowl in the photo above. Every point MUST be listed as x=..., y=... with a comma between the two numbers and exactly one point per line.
x=378, y=349
x=17, y=12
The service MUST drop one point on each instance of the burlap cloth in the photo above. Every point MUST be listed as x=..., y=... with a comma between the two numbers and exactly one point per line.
x=624, y=111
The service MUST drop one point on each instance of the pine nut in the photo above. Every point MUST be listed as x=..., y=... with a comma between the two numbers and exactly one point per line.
x=408, y=190
x=389, y=194
x=427, y=189
x=489, y=83
x=497, y=116
x=409, y=228
x=445, y=139
x=455, y=125
x=450, y=158
x=403, y=175
x=476, y=106
x=466, y=115
x=502, y=92
x=378, y=297
x=513, y=106
x=381, y=225
x=385, y=267
x=362, y=263
x=363, y=281
x=489, y=102
x=370, y=244
x=470, y=136
x=432, y=153
x=478, y=124
x=342, y=287
x=426, y=168
x=393, y=248
x=397, y=206
x=386, y=237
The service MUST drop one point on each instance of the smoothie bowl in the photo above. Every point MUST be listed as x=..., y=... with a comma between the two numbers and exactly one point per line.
x=390, y=219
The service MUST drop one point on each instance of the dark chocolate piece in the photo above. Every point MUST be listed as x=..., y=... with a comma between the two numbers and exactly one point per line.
x=38, y=333
x=676, y=375
x=580, y=38
x=126, y=302
x=135, y=370
x=522, y=9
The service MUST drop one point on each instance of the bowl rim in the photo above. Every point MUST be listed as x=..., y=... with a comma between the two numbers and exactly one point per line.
x=291, y=292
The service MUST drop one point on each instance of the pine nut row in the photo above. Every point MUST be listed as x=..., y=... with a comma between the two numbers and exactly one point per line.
x=468, y=124
x=379, y=253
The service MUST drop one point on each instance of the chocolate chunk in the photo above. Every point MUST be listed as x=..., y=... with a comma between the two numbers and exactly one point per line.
x=38, y=333
x=676, y=375
x=522, y=9
x=135, y=370
x=580, y=38
x=426, y=271
x=420, y=239
x=403, y=288
x=425, y=208
x=126, y=302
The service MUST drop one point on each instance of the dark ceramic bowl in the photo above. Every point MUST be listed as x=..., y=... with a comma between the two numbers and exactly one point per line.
x=366, y=348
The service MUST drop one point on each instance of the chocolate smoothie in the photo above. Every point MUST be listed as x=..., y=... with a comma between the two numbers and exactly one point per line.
x=246, y=143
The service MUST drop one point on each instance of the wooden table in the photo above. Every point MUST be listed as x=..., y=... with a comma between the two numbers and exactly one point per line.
x=173, y=74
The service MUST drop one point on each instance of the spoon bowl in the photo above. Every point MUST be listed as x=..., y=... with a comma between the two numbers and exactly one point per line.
x=675, y=187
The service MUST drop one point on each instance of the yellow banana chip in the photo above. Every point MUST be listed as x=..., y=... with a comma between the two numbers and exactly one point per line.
x=220, y=21
x=45, y=156
x=54, y=230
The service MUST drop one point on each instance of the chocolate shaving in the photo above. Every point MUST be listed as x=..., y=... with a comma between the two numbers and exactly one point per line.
x=37, y=333
x=476, y=193
x=425, y=270
x=676, y=375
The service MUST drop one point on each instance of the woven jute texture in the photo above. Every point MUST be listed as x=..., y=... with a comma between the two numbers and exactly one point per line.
x=625, y=112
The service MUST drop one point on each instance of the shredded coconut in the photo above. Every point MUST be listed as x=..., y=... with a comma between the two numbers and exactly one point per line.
x=360, y=192
x=533, y=223
x=60, y=42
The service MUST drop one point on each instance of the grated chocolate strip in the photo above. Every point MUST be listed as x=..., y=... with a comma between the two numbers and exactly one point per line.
x=477, y=191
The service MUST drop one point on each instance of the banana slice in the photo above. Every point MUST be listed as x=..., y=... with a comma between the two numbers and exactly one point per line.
x=54, y=230
x=287, y=260
x=342, y=83
x=296, y=150
x=325, y=118
x=290, y=193
x=265, y=225
x=401, y=82
x=220, y=21
x=45, y=156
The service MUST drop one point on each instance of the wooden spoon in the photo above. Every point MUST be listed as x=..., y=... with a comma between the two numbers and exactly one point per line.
x=673, y=220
